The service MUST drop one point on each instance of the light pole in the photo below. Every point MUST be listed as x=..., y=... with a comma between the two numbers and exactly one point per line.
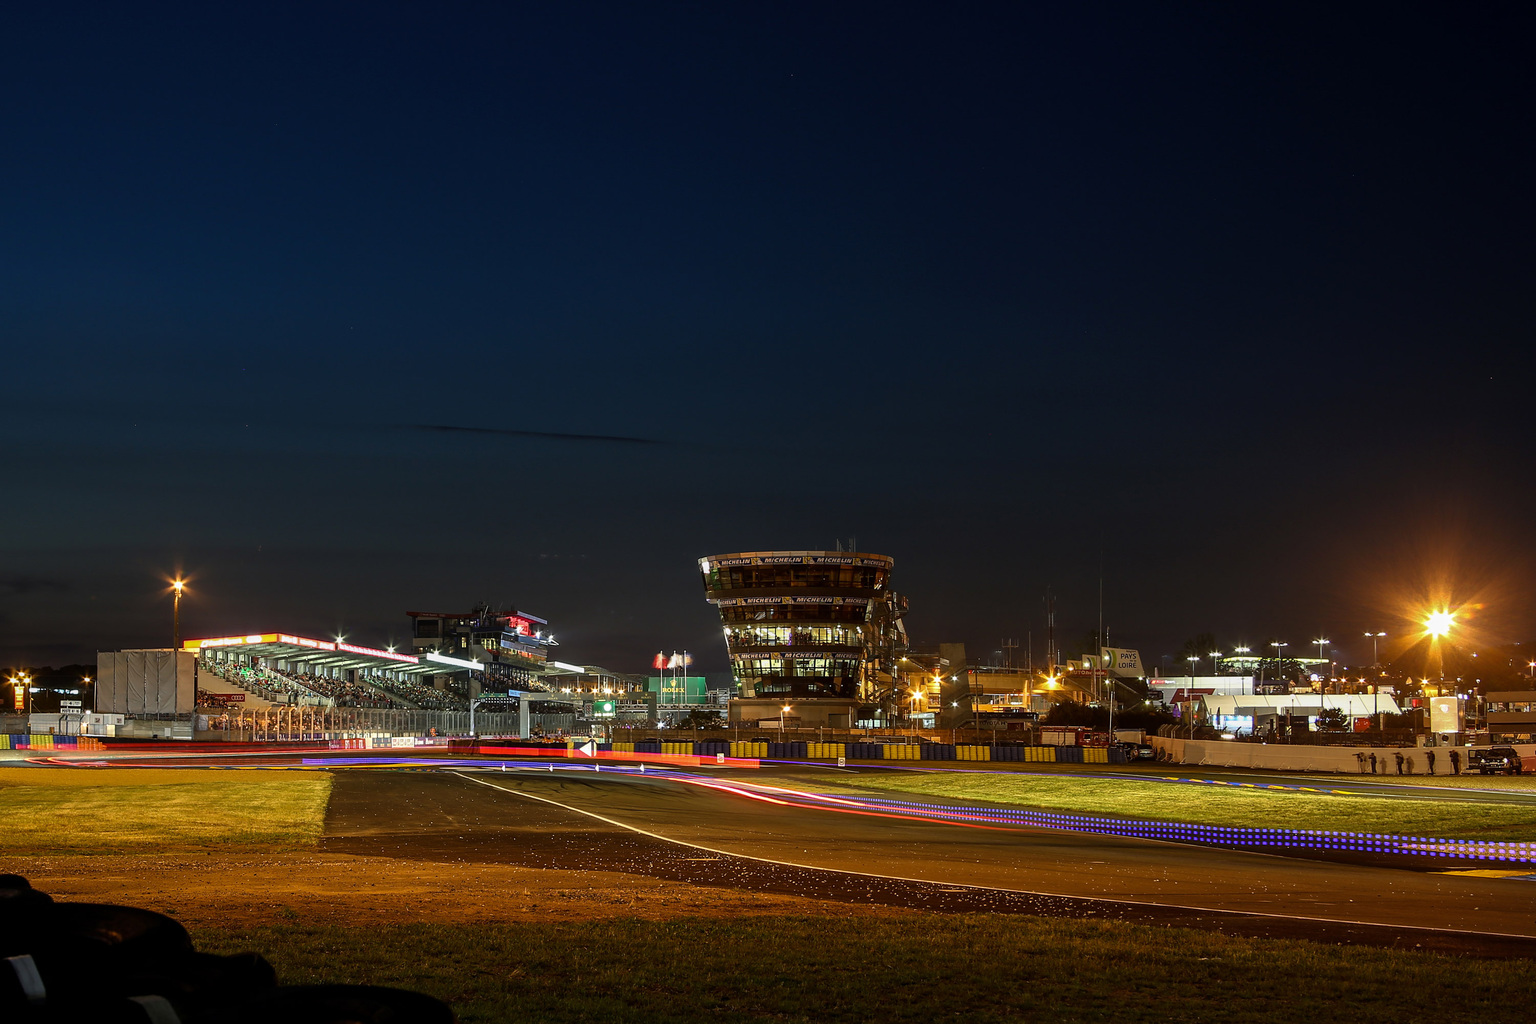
x=1240, y=650
x=1321, y=642
x=21, y=684
x=1375, y=638
x=1189, y=696
x=783, y=713
x=176, y=586
x=1277, y=644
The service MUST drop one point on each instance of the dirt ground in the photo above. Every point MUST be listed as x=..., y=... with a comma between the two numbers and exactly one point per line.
x=239, y=890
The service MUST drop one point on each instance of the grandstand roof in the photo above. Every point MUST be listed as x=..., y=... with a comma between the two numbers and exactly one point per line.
x=332, y=653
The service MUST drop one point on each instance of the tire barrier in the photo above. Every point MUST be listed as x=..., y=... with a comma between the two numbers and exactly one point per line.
x=799, y=750
x=75, y=962
x=11, y=741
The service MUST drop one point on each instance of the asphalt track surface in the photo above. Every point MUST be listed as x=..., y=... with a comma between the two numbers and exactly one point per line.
x=662, y=828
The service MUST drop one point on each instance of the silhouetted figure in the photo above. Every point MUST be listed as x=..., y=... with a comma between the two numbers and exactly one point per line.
x=1373, y=763
x=1455, y=762
x=1399, y=757
x=1360, y=760
x=1429, y=758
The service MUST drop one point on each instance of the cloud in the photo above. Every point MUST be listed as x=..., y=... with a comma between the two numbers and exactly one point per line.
x=540, y=435
x=24, y=585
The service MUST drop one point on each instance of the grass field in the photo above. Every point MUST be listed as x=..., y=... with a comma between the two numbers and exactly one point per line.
x=975, y=968
x=1198, y=804
x=126, y=810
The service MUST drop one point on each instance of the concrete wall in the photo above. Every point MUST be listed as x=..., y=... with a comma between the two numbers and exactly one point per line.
x=1303, y=758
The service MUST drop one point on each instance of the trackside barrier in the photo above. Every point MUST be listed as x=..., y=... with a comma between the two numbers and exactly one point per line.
x=358, y=743
x=24, y=741
x=800, y=750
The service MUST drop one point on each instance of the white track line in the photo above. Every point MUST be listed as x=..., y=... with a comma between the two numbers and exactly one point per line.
x=993, y=888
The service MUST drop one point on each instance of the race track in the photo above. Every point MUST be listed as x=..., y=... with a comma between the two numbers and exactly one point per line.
x=665, y=828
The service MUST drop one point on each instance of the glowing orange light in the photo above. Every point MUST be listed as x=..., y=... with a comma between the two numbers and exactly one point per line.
x=1439, y=623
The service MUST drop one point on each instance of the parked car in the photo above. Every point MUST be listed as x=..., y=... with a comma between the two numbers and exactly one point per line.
x=1488, y=760
x=1139, y=751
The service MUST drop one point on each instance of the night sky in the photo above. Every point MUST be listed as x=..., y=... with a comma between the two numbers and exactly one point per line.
x=1229, y=305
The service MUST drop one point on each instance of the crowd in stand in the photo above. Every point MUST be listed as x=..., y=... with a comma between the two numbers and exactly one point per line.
x=369, y=691
x=345, y=694
x=221, y=701
x=424, y=696
x=264, y=683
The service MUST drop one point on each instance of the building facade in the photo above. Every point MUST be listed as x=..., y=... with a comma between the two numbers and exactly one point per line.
x=806, y=625
x=509, y=648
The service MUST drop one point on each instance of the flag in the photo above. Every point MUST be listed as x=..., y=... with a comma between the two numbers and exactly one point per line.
x=687, y=659
x=676, y=661
x=660, y=661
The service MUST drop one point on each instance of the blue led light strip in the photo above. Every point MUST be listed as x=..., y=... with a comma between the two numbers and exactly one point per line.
x=1218, y=835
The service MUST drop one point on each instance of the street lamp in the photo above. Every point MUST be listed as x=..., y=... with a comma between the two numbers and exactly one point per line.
x=1439, y=623
x=1374, y=638
x=1321, y=641
x=177, y=585
x=1189, y=696
x=1277, y=644
x=21, y=684
x=1240, y=650
x=783, y=713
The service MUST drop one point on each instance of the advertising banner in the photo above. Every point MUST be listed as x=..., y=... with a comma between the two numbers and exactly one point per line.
x=1445, y=715
x=1122, y=662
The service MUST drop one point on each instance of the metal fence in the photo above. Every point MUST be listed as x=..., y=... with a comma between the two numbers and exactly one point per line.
x=317, y=723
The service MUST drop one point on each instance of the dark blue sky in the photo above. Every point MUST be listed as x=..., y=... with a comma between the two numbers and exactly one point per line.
x=1235, y=301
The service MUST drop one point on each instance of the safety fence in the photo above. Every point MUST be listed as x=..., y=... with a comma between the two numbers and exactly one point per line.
x=799, y=751
x=48, y=742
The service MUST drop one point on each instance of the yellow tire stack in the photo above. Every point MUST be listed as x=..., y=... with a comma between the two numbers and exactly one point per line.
x=677, y=748
x=623, y=748
x=900, y=751
x=828, y=750
x=1096, y=755
x=740, y=748
x=1040, y=754
x=970, y=753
